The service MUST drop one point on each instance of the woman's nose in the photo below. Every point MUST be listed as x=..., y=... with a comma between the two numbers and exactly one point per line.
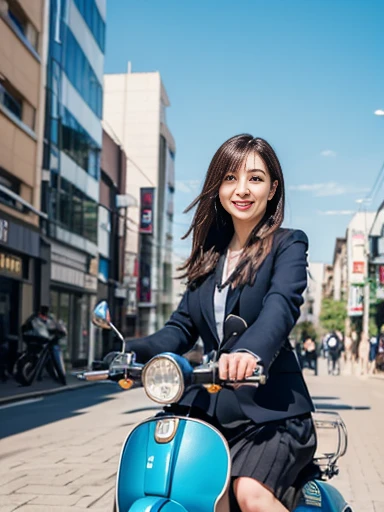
x=242, y=188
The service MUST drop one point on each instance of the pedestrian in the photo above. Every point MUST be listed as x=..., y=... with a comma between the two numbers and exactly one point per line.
x=244, y=265
x=373, y=348
x=311, y=353
x=380, y=351
x=363, y=353
x=334, y=349
x=348, y=355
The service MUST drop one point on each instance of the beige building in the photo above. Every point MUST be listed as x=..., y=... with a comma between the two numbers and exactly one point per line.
x=135, y=107
x=22, y=71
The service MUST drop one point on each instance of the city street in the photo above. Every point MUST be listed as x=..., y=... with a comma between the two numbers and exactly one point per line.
x=60, y=453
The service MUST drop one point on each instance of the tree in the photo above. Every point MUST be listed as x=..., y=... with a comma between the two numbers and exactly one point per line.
x=304, y=330
x=333, y=314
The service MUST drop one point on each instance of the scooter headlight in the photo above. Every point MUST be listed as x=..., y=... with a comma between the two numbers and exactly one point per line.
x=163, y=379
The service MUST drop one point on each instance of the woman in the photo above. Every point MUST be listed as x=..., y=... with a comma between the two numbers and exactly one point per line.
x=242, y=263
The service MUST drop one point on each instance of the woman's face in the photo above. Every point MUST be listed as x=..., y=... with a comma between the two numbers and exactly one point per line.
x=244, y=194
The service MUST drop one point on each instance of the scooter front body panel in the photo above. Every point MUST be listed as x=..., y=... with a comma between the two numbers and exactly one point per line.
x=318, y=496
x=186, y=470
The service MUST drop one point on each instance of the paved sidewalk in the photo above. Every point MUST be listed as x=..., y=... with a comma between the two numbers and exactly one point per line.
x=12, y=391
x=70, y=465
x=359, y=401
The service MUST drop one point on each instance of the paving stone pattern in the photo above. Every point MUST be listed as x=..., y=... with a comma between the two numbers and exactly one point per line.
x=70, y=465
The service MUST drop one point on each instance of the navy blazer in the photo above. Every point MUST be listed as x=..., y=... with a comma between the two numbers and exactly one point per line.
x=270, y=306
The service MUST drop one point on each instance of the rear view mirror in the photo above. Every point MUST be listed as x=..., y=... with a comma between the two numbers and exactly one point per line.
x=101, y=316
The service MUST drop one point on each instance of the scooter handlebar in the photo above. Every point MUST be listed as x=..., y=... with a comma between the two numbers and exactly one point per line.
x=95, y=375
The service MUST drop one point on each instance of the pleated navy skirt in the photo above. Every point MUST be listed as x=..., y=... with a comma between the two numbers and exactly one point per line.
x=274, y=453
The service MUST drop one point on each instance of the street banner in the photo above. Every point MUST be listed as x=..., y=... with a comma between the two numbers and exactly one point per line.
x=381, y=274
x=147, y=200
x=358, y=256
x=356, y=300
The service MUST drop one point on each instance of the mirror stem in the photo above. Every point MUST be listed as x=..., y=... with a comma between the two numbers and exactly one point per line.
x=119, y=335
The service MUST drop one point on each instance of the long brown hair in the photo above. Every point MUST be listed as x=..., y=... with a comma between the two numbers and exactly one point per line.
x=212, y=225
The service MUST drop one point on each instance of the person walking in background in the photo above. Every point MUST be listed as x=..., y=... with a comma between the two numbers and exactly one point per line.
x=380, y=351
x=373, y=348
x=311, y=353
x=363, y=353
x=334, y=349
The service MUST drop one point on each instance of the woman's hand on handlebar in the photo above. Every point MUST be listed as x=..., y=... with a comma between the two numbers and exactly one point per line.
x=237, y=366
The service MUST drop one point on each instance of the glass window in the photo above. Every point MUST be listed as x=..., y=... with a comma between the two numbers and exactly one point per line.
x=76, y=142
x=10, y=101
x=17, y=18
x=13, y=184
x=77, y=212
x=65, y=209
x=90, y=220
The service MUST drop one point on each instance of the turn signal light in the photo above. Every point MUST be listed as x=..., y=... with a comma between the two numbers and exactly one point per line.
x=125, y=383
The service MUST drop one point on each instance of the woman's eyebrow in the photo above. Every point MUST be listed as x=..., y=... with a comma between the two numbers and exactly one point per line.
x=256, y=170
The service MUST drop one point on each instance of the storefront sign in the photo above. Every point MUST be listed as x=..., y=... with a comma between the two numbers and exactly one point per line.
x=358, y=267
x=11, y=264
x=147, y=196
x=356, y=301
x=3, y=231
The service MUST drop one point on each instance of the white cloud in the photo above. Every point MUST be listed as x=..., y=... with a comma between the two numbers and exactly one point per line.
x=321, y=189
x=337, y=212
x=328, y=153
x=187, y=186
x=330, y=188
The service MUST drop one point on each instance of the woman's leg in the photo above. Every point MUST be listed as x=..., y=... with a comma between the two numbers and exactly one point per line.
x=253, y=496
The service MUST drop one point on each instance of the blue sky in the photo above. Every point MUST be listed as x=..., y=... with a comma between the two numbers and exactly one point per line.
x=305, y=75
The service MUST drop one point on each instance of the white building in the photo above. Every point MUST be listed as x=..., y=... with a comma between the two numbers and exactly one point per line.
x=310, y=310
x=357, y=253
x=135, y=108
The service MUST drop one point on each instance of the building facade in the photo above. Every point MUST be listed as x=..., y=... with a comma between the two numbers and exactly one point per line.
x=135, y=108
x=111, y=240
x=71, y=163
x=376, y=251
x=310, y=310
x=357, y=256
x=23, y=257
x=340, y=270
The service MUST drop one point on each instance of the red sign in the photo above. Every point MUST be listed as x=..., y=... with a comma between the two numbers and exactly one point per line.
x=358, y=267
x=381, y=274
x=146, y=210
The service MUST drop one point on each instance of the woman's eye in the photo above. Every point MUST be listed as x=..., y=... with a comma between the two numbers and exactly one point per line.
x=256, y=178
x=230, y=177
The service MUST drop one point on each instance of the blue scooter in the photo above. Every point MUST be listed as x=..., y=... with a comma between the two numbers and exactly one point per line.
x=177, y=463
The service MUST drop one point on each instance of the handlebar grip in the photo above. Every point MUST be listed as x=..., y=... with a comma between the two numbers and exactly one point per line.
x=96, y=375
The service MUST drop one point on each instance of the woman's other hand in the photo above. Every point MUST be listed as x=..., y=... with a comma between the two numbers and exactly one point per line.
x=237, y=366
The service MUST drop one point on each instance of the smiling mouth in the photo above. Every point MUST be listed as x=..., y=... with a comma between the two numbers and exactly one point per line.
x=242, y=205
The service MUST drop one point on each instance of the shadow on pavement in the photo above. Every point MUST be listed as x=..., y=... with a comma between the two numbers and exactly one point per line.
x=147, y=408
x=23, y=416
x=325, y=398
x=341, y=407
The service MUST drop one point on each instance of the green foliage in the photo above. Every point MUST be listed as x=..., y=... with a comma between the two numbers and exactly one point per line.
x=304, y=330
x=333, y=314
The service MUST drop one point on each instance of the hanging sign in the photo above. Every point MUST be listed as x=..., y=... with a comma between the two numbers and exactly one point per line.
x=146, y=210
x=3, y=231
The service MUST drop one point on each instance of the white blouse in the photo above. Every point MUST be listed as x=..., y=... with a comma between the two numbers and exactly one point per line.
x=220, y=297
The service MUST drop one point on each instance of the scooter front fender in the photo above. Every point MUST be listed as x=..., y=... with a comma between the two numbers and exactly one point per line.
x=175, y=464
